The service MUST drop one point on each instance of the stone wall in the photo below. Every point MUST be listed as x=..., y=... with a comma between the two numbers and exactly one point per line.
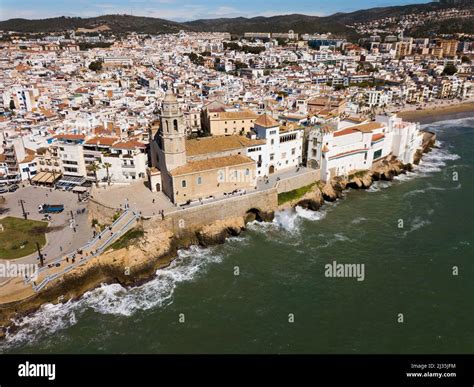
x=298, y=181
x=193, y=218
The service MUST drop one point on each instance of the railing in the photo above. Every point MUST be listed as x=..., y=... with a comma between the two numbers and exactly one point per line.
x=98, y=251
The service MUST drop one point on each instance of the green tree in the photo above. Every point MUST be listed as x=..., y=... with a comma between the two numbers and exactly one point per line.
x=240, y=65
x=450, y=69
x=12, y=105
x=95, y=66
x=465, y=59
x=107, y=166
x=94, y=167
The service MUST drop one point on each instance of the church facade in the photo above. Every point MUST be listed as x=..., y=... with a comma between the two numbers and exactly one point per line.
x=222, y=168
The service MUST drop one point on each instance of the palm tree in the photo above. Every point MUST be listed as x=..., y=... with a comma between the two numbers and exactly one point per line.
x=94, y=167
x=107, y=166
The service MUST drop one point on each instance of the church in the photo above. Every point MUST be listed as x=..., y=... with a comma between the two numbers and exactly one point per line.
x=200, y=169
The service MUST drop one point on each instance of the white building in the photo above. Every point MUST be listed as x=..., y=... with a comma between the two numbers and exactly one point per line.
x=283, y=146
x=351, y=146
x=117, y=161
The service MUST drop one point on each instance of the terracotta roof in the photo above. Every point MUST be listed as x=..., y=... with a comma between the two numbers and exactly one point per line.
x=2, y=157
x=68, y=136
x=377, y=136
x=215, y=144
x=102, y=140
x=30, y=156
x=368, y=127
x=355, y=119
x=130, y=144
x=266, y=121
x=344, y=132
x=210, y=164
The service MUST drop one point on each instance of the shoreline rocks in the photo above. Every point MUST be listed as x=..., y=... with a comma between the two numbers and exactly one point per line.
x=137, y=264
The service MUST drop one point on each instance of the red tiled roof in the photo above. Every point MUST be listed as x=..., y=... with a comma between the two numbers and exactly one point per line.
x=102, y=141
x=130, y=144
x=266, y=121
x=344, y=132
x=377, y=137
x=68, y=136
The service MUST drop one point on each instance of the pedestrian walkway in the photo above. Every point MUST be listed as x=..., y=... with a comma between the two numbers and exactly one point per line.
x=91, y=249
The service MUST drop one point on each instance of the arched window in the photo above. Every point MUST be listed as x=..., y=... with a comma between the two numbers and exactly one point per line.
x=175, y=125
x=167, y=127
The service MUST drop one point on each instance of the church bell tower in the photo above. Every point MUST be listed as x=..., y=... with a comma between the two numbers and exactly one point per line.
x=173, y=133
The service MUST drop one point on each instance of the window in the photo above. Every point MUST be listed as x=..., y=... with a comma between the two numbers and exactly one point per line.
x=293, y=151
x=377, y=154
x=247, y=172
x=175, y=125
x=199, y=180
x=272, y=156
x=183, y=183
x=220, y=176
x=272, y=141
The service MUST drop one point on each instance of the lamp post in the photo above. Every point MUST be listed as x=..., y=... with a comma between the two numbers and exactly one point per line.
x=25, y=214
x=40, y=254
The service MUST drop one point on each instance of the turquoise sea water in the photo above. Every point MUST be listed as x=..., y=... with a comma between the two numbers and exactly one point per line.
x=408, y=270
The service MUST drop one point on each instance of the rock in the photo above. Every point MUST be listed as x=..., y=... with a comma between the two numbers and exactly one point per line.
x=329, y=193
x=309, y=204
x=258, y=215
x=217, y=232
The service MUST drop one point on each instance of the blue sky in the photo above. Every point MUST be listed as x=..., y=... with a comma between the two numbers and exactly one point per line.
x=183, y=10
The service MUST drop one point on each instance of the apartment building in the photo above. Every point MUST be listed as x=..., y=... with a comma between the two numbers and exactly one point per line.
x=220, y=120
x=116, y=161
x=71, y=154
x=282, y=147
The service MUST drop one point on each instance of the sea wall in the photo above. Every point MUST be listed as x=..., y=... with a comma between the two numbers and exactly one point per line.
x=205, y=225
x=295, y=182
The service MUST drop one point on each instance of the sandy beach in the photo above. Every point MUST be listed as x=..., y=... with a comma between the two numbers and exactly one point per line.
x=434, y=111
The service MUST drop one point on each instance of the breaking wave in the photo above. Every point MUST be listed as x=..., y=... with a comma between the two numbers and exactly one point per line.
x=440, y=126
x=114, y=299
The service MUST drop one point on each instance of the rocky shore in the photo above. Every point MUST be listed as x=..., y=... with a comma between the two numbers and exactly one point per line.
x=137, y=263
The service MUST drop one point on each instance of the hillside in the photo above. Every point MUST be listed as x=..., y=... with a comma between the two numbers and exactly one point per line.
x=282, y=23
x=116, y=23
x=337, y=24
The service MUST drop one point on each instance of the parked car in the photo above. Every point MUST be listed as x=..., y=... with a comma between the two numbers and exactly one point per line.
x=3, y=189
x=13, y=188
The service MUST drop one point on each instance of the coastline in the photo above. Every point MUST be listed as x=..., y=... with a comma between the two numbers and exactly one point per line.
x=435, y=113
x=136, y=264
